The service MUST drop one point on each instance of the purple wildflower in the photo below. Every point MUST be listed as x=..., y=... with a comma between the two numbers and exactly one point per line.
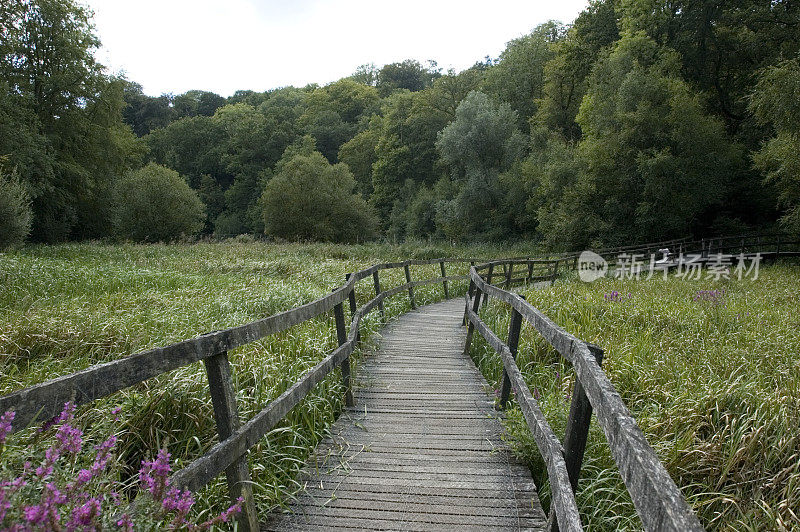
x=70, y=438
x=5, y=425
x=126, y=524
x=179, y=502
x=85, y=515
x=153, y=475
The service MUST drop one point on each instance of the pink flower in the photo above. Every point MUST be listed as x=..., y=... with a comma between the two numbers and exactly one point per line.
x=5, y=425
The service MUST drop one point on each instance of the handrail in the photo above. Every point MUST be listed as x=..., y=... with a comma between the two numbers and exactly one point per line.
x=659, y=502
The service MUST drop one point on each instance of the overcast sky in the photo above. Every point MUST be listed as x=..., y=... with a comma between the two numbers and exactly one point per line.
x=225, y=45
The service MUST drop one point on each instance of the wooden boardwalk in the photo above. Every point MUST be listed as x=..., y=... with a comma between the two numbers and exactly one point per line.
x=422, y=449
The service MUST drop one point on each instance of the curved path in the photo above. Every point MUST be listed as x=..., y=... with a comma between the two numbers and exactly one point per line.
x=422, y=449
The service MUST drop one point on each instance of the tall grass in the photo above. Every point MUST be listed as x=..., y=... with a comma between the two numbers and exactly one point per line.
x=65, y=308
x=714, y=383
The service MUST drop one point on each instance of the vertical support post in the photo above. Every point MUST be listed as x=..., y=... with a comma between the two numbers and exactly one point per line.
x=476, y=303
x=444, y=282
x=341, y=336
x=778, y=247
x=226, y=415
x=513, y=344
x=488, y=281
x=509, y=273
x=410, y=288
x=470, y=293
x=555, y=272
x=376, y=280
x=575, y=264
x=352, y=299
x=530, y=271
x=580, y=415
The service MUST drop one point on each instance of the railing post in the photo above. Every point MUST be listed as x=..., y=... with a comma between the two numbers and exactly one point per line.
x=778, y=247
x=555, y=272
x=476, y=303
x=488, y=281
x=341, y=335
x=530, y=271
x=410, y=288
x=444, y=282
x=376, y=280
x=352, y=298
x=470, y=293
x=580, y=415
x=226, y=415
x=512, y=343
x=509, y=273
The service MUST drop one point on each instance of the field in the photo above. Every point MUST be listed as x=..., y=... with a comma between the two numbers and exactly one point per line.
x=714, y=382
x=65, y=308
x=713, y=378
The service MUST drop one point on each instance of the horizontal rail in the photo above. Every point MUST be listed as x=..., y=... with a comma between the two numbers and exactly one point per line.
x=547, y=442
x=655, y=495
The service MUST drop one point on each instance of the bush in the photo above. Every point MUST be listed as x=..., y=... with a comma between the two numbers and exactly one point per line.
x=310, y=199
x=155, y=204
x=15, y=212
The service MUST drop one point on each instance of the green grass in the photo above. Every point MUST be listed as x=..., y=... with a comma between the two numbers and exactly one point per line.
x=715, y=388
x=65, y=308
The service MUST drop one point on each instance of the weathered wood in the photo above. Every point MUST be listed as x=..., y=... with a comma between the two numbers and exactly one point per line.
x=410, y=287
x=352, y=300
x=530, y=271
x=201, y=471
x=576, y=434
x=550, y=448
x=509, y=273
x=226, y=415
x=488, y=281
x=513, y=343
x=444, y=280
x=657, y=499
x=377, y=282
x=341, y=335
x=476, y=303
x=555, y=271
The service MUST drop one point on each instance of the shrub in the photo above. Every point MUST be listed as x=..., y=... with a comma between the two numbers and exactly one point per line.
x=310, y=199
x=15, y=212
x=155, y=204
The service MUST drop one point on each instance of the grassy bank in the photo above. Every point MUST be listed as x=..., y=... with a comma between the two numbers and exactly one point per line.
x=64, y=308
x=714, y=383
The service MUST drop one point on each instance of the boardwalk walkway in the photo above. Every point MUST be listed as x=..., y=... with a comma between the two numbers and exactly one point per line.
x=422, y=449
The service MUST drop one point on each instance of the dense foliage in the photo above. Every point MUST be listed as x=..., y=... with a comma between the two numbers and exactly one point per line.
x=15, y=211
x=155, y=204
x=643, y=119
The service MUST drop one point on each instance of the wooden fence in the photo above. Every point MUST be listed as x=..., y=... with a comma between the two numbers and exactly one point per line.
x=657, y=499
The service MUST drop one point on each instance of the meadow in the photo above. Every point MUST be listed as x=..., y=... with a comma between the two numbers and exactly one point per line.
x=709, y=369
x=64, y=308
x=711, y=372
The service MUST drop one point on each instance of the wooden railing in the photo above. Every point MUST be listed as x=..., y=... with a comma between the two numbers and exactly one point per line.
x=657, y=499
x=44, y=401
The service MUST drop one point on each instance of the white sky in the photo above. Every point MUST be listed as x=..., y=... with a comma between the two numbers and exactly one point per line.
x=225, y=45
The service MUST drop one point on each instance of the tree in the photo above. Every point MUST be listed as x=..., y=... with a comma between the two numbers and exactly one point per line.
x=518, y=77
x=15, y=211
x=154, y=204
x=480, y=143
x=409, y=74
x=776, y=101
x=310, y=199
x=651, y=165
x=67, y=108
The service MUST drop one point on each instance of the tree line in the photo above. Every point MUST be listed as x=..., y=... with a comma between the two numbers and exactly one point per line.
x=641, y=120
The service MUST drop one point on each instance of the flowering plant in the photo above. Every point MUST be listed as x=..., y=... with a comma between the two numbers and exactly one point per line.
x=69, y=488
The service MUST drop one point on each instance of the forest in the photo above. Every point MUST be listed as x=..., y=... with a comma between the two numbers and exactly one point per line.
x=640, y=120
